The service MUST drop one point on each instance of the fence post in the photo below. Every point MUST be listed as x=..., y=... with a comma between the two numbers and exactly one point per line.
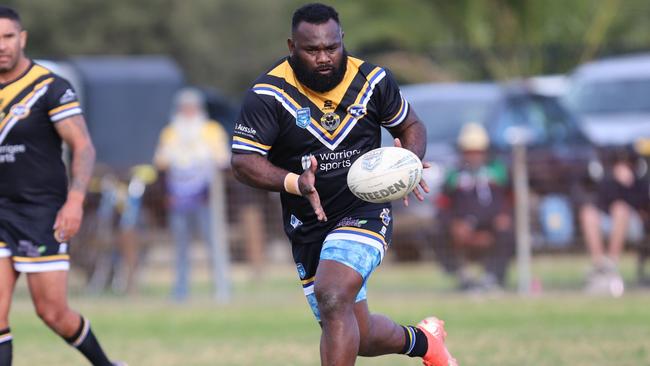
x=219, y=231
x=518, y=138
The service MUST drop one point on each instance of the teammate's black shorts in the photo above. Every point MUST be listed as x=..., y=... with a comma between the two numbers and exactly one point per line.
x=31, y=244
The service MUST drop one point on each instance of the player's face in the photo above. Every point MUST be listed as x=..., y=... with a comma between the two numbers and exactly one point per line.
x=317, y=55
x=12, y=43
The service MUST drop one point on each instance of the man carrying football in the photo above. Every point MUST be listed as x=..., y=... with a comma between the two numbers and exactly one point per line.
x=318, y=108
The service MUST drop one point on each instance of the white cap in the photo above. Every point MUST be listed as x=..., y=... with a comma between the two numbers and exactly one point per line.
x=189, y=96
x=473, y=136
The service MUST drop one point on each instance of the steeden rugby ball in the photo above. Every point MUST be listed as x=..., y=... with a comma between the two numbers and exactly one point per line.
x=384, y=174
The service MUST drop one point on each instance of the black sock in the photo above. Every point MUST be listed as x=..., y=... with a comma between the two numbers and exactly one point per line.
x=416, y=342
x=6, y=347
x=84, y=340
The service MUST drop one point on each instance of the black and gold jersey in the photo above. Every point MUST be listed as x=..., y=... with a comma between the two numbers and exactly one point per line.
x=285, y=121
x=33, y=174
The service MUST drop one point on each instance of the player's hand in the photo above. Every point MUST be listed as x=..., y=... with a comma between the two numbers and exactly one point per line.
x=416, y=191
x=307, y=185
x=68, y=219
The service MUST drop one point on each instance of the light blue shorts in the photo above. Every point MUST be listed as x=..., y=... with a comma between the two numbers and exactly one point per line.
x=361, y=257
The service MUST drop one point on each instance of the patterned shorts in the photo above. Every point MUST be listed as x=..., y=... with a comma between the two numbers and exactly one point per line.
x=358, y=241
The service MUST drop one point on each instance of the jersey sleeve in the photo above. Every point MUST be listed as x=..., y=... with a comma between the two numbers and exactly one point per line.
x=62, y=101
x=393, y=108
x=257, y=127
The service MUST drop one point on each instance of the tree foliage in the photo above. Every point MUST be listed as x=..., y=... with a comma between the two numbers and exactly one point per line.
x=227, y=43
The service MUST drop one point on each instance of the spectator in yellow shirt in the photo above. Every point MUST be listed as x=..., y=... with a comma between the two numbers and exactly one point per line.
x=189, y=151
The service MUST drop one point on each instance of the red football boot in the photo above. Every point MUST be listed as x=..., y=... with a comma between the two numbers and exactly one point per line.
x=437, y=353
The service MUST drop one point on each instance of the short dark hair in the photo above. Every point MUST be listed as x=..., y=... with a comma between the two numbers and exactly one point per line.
x=315, y=13
x=9, y=13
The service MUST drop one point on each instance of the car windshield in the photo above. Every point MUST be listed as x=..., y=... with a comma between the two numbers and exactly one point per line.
x=445, y=117
x=619, y=96
x=542, y=118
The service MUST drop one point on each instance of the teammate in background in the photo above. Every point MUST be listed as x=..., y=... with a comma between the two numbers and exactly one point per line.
x=191, y=147
x=301, y=126
x=39, y=212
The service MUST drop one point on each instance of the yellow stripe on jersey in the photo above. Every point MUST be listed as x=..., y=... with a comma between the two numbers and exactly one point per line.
x=296, y=106
x=329, y=139
x=362, y=92
x=64, y=107
x=251, y=142
x=366, y=86
x=361, y=231
x=25, y=99
x=49, y=258
x=9, y=92
x=398, y=114
x=292, y=102
x=308, y=281
x=3, y=244
x=284, y=71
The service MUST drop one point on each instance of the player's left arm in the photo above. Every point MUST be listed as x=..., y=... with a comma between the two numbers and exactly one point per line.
x=411, y=134
x=74, y=132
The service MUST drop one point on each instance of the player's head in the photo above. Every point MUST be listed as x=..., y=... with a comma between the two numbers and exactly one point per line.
x=12, y=39
x=316, y=51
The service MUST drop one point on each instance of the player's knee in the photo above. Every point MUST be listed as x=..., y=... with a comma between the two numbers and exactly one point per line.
x=50, y=314
x=332, y=301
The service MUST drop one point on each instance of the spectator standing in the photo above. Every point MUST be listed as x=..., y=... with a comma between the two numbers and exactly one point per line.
x=189, y=151
x=476, y=210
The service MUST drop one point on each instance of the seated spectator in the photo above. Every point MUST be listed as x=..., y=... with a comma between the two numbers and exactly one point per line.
x=476, y=211
x=619, y=211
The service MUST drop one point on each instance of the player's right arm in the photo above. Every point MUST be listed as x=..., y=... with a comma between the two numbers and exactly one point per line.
x=254, y=134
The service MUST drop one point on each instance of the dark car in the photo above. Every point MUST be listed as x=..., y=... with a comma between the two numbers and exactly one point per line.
x=559, y=154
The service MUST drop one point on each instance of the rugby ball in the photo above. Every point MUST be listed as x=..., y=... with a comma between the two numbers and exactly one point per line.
x=384, y=174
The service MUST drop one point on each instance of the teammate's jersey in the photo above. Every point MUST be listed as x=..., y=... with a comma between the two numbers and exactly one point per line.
x=31, y=170
x=285, y=121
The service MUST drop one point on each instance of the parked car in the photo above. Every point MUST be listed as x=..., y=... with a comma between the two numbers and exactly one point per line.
x=611, y=97
x=559, y=154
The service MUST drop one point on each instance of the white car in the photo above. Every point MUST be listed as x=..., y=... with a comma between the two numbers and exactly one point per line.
x=611, y=97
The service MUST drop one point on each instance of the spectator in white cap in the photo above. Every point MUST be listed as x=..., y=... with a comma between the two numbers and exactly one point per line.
x=476, y=209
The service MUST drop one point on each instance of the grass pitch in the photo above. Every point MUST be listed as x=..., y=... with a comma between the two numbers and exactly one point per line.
x=268, y=323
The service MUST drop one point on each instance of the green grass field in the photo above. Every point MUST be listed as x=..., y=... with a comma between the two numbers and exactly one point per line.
x=268, y=322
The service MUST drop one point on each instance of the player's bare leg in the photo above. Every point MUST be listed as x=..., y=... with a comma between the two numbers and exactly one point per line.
x=350, y=330
x=379, y=335
x=49, y=292
x=336, y=287
x=8, y=277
